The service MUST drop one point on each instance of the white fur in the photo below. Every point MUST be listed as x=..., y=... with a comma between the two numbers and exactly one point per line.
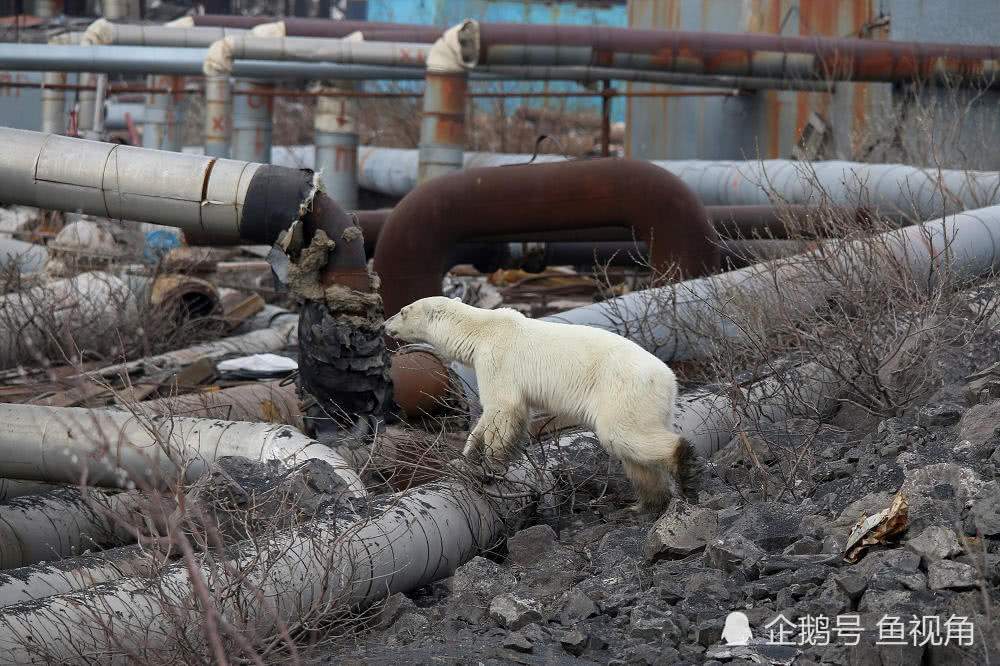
x=578, y=374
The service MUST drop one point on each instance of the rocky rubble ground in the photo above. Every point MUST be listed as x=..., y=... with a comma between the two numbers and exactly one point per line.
x=593, y=583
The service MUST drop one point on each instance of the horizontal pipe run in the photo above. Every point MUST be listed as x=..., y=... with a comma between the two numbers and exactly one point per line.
x=113, y=448
x=270, y=402
x=318, y=27
x=728, y=54
x=411, y=539
x=215, y=200
x=895, y=190
x=247, y=46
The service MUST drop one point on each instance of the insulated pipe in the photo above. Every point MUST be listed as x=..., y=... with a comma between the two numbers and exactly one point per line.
x=968, y=244
x=410, y=540
x=336, y=139
x=214, y=200
x=218, y=115
x=105, y=32
x=163, y=117
x=54, y=102
x=64, y=522
x=894, y=190
x=61, y=576
x=119, y=449
x=412, y=251
x=247, y=46
x=271, y=402
x=442, y=126
x=732, y=54
x=86, y=103
x=251, y=121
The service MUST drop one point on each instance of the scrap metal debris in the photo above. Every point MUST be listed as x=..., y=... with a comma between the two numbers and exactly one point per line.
x=880, y=529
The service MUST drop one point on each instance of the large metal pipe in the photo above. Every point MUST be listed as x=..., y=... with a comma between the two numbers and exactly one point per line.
x=251, y=121
x=117, y=449
x=163, y=119
x=410, y=540
x=442, y=125
x=336, y=139
x=894, y=190
x=742, y=54
x=412, y=250
x=271, y=402
x=213, y=200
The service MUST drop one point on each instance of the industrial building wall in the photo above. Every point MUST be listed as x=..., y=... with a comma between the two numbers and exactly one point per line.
x=765, y=124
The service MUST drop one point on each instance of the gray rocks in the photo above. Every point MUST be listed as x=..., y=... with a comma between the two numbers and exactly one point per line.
x=518, y=642
x=531, y=546
x=732, y=552
x=986, y=514
x=947, y=574
x=656, y=625
x=935, y=543
x=574, y=642
x=771, y=525
x=938, y=493
x=940, y=414
x=980, y=423
x=513, y=612
x=682, y=530
x=576, y=606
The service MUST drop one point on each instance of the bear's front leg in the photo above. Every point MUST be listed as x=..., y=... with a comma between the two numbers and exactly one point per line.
x=497, y=432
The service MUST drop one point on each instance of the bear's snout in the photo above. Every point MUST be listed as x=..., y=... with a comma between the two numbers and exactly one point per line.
x=391, y=323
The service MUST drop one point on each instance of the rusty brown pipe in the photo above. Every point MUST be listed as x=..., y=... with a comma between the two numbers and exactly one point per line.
x=412, y=251
x=777, y=222
x=373, y=31
x=733, y=54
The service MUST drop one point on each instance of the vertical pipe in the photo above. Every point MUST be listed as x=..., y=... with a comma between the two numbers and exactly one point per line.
x=163, y=124
x=336, y=139
x=99, y=97
x=47, y=8
x=54, y=102
x=251, y=134
x=218, y=111
x=114, y=10
x=85, y=104
x=606, y=118
x=442, y=127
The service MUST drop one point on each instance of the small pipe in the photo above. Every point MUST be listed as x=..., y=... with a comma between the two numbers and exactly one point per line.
x=442, y=125
x=218, y=116
x=336, y=140
x=728, y=54
x=412, y=250
x=251, y=122
x=164, y=118
x=100, y=94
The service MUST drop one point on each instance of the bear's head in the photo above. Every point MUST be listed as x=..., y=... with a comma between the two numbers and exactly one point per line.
x=415, y=322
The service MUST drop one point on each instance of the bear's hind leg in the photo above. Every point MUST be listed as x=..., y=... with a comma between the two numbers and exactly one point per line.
x=652, y=483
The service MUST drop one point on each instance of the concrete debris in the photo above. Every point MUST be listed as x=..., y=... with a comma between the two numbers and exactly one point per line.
x=681, y=530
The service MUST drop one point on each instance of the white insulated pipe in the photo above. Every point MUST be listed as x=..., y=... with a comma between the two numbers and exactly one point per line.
x=251, y=113
x=196, y=193
x=412, y=539
x=118, y=449
x=335, y=135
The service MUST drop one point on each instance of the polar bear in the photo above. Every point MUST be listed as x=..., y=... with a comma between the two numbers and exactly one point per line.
x=578, y=374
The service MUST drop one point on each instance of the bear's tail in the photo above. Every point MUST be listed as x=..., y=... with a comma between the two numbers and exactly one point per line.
x=689, y=466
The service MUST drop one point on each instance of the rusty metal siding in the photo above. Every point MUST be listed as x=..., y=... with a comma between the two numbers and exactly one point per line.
x=766, y=124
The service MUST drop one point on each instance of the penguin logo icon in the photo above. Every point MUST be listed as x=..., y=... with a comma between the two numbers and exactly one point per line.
x=737, y=629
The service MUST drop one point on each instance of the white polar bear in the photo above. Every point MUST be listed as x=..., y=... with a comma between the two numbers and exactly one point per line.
x=578, y=374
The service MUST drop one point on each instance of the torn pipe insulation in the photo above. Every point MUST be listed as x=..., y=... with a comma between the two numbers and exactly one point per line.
x=442, y=125
x=283, y=333
x=65, y=522
x=344, y=370
x=327, y=567
x=269, y=402
x=214, y=201
x=106, y=447
x=73, y=574
x=731, y=54
x=105, y=32
x=415, y=242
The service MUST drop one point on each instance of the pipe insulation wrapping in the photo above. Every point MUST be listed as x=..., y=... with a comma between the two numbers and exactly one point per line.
x=119, y=449
x=410, y=539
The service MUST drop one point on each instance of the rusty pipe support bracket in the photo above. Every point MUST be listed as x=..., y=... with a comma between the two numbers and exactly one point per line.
x=418, y=237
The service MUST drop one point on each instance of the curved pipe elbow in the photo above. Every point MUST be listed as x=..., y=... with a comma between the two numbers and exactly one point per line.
x=656, y=206
x=219, y=58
